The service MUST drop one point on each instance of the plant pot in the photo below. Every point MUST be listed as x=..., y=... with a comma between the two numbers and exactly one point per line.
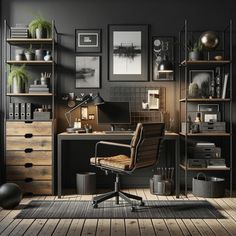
x=19, y=57
x=40, y=33
x=195, y=56
x=30, y=56
x=39, y=54
x=17, y=86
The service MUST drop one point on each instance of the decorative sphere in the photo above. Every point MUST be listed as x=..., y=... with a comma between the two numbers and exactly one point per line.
x=209, y=40
x=10, y=195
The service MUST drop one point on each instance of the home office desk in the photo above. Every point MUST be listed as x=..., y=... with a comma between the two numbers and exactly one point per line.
x=108, y=136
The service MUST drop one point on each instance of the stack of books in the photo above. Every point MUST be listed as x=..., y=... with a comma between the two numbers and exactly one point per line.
x=38, y=88
x=19, y=31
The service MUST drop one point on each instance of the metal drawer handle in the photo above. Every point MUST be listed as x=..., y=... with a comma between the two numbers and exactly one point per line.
x=27, y=180
x=28, y=150
x=28, y=122
x=28, y=135
x=28, y=165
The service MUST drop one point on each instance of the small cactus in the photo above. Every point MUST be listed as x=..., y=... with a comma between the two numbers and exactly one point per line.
x=193, y=90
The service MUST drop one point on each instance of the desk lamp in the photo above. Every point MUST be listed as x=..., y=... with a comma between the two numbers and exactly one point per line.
x=97, y=100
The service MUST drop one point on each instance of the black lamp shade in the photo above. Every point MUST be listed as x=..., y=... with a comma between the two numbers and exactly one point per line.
x=98, y=100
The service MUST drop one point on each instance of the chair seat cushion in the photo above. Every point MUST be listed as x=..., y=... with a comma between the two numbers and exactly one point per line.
x=122, y=162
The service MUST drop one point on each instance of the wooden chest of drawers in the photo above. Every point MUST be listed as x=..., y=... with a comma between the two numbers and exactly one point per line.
x=29, y=148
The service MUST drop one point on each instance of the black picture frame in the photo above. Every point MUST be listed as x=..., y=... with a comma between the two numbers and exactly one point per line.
x=160, y=46
x=87, y=71
x=128, y=52
x=203, y=79
x=88, y=40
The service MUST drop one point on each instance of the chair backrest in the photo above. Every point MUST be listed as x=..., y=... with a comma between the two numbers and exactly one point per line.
x=145, y=144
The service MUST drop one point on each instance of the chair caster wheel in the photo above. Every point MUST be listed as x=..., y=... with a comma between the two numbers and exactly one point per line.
x=132, y=209
x=142, y=204
x=95, y=205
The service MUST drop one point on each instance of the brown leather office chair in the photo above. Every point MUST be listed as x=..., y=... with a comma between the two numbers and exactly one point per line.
x=144, y=149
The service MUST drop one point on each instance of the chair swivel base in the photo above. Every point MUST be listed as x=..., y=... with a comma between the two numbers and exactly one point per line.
x=117, y=194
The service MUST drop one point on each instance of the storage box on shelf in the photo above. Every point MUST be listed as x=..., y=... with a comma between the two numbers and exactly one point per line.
x=216, y=130
x=29, y=137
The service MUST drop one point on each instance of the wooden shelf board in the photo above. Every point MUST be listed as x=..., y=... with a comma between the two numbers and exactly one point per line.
x=205, y=100
x=28, y=94
x=205, y=62
x=206, y=134
x=203, y=169
x=30, y=62
x=29, y=40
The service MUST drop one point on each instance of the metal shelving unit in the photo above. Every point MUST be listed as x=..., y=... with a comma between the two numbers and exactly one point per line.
x=8, y=97
x=226, y=103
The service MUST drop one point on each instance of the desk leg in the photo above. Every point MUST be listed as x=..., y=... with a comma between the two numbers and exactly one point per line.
x=59, y=153
x=177, y=167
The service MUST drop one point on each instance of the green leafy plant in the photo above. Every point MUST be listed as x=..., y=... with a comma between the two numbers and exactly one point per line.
x=19, y=74
x=40, y=23
x=30, y=49
x=195, y=47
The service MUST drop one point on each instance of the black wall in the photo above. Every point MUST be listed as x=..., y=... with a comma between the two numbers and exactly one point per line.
x=166, y=17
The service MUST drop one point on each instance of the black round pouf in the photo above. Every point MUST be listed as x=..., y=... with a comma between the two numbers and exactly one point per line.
x=10, y=195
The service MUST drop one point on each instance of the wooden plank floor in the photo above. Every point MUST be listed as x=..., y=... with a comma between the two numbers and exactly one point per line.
x=122, y=227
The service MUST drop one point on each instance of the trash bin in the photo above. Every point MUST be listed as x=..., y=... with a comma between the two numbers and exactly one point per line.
x=86, y=183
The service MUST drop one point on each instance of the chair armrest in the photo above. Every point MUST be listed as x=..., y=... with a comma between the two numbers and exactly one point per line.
x=111, y=144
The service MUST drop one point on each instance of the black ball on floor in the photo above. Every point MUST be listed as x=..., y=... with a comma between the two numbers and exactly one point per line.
x=10, y=195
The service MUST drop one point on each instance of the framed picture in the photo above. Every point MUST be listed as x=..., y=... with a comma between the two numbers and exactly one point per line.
x=128, y=52
x=88, y=40
x=209, y=107
x=84, y=113
x=209, y=112
x=162, y=48
x=87, y=72
x=202, y=78
x=153, y=99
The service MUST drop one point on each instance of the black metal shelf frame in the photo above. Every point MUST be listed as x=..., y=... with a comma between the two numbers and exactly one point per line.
x=183, y=90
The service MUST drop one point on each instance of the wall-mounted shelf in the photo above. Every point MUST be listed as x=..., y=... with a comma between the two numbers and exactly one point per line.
x=205, y=62
x=11, y=62
x=204, y=169
x=16, y=41
x=205, y=100
x=29, y=94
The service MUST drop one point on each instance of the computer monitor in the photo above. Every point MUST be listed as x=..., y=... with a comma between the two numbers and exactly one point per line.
x=113, y=113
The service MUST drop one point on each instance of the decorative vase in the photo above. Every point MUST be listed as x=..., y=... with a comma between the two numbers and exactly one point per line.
x=40, y=33
x=195, y=56
x=18, y=86
x=29, y=56
x=39, y=54
x=193, y=90
x=48, y=56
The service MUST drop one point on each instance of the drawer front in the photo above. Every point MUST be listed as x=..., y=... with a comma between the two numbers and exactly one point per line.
x=40, y=143
x=28, y=172
x=23, y=128
x=36, y=187
x=34, y=157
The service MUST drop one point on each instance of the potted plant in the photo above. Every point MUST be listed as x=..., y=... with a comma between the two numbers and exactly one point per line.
x=29, y=54
x=195, y=51
x=18, y=78
x=40, y=28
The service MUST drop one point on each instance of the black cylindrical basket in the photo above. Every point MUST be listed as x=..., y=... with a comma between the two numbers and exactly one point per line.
x=208, y=187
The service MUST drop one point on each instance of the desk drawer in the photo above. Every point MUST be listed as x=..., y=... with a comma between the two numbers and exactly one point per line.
x=28, y=172
x=36, y=187
x=23, y=128
x=35, y=157
x=40, y=143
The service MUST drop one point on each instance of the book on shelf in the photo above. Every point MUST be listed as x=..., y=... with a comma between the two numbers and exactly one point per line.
x=38, y=86
x=225, y=86
x=205, y=144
